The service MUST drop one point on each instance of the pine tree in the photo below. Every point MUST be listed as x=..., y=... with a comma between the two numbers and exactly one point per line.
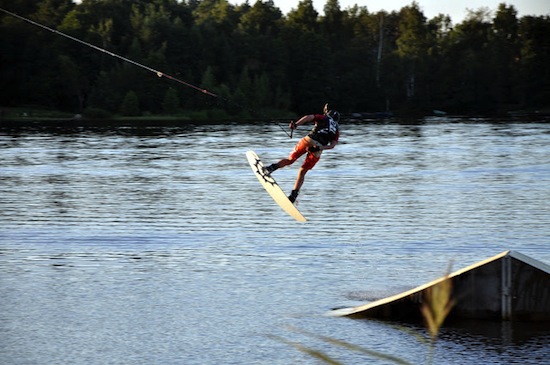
x=130, y=105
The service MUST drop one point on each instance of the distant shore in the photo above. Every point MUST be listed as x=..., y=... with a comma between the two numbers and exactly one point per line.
x=35, y=115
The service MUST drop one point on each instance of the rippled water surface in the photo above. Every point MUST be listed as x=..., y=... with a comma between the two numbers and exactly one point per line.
x=157, y=245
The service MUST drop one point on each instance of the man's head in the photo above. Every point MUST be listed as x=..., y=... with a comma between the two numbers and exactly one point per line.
x=333, y=114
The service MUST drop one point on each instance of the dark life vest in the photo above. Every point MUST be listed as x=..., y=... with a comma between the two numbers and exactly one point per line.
x=325, y=130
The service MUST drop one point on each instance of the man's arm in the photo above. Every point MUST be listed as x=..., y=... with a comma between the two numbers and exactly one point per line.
x=330, y=145
x=305, y=119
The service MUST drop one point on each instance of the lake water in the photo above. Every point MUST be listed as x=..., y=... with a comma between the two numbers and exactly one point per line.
x=157, y=245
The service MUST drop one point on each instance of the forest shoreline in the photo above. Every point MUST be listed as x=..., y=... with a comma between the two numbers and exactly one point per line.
x=22, y=115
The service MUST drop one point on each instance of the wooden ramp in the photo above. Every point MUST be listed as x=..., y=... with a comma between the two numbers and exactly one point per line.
x=508, y=286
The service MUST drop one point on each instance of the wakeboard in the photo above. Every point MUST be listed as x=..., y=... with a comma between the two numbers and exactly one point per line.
x=271, y=186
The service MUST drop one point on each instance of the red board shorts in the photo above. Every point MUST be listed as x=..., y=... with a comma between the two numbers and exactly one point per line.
x=301, y=147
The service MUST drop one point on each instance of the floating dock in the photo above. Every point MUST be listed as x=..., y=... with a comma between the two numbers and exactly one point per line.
x=509, y=287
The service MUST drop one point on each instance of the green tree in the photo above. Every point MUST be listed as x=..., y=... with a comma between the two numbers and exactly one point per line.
x=52, y=12
x=245, y=88
x=171, y=102
x=72, y=85
x=412, y=44
x=439, y=71
x=130, y=105
x=264, y=54
x=304, y=17
x=103, y=95
x=505, y=51
x=469, y=54
x=310, y=77
x=261, y=18
x=333, y=25
x=150, y=90
x=217, y=13
x=255, y=56
x=534, y=65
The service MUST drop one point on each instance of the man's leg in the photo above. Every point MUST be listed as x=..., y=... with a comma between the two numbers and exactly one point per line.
x=300, y=179
x=299, y=149
x=309, y=163
x=275, y=166
x=298, y=184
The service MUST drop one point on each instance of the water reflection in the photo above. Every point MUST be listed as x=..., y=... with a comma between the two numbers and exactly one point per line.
x=504, y=333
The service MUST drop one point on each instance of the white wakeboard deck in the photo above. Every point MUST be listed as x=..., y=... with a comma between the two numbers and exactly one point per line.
x=271, y=186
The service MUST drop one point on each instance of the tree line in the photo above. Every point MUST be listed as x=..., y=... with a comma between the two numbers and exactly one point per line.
x=255, y=58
